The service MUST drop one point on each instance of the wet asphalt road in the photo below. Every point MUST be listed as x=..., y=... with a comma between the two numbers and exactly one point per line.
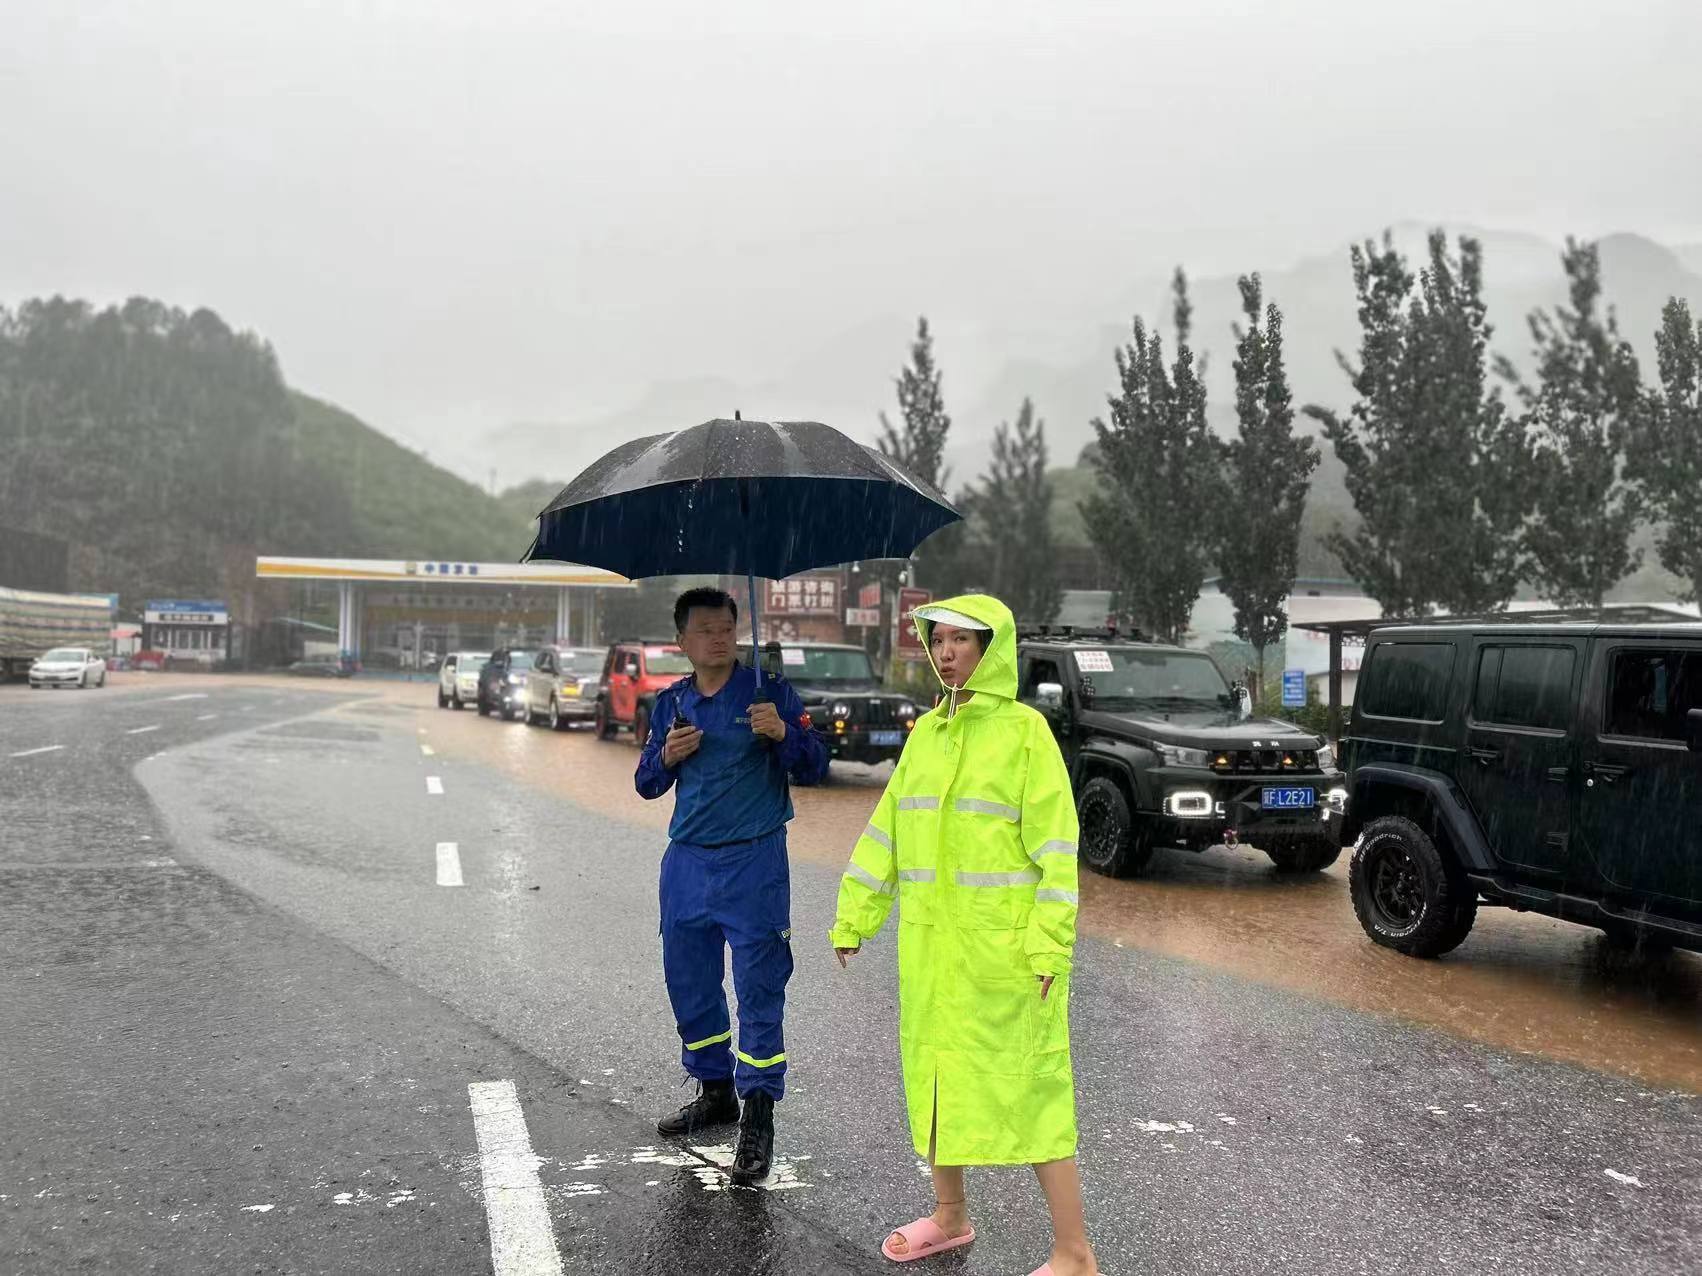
x=231, y=981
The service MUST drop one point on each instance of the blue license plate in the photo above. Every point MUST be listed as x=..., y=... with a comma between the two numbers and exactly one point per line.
x=884, y=739
x=1289, y=799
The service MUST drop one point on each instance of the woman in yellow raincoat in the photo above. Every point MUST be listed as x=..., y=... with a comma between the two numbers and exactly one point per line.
x=975, y=838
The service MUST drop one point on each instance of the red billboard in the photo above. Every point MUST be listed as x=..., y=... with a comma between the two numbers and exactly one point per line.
x=906, y=645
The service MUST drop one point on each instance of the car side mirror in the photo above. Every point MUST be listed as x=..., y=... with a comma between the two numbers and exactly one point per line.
x=1693, y=730
x=1049, y=697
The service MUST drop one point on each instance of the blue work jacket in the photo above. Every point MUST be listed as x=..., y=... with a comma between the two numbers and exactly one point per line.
x=735, y=787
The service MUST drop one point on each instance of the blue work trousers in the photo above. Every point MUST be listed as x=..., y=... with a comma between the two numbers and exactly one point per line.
x=737, y=896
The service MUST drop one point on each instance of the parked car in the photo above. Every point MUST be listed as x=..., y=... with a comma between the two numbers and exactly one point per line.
x=1555, y=769
x=502, y=682
x=68, y=667
x=458, y=678
x=322, y=667
x=561, y=685
x=859, y=719
x=635, y=671
x=1163, y=751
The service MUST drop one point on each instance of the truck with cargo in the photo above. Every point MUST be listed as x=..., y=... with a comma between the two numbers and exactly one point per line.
x=33, y=623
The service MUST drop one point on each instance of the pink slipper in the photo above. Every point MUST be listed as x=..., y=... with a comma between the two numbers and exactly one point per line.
x=925, y=1239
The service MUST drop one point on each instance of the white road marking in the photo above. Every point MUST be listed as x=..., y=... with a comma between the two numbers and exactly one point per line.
x=142, y=730
x=1630, y=1180
x=258, y=1209
x=522, y=1239
x=194, y=695
x=46, y=748
x=449, y=864
x=206, y=717
x=434, y=786
x=427, y=751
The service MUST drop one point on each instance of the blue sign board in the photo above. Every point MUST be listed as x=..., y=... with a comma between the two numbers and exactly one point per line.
x=1293, y=688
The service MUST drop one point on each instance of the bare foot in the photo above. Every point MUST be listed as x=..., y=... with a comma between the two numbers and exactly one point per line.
x=953, y=1220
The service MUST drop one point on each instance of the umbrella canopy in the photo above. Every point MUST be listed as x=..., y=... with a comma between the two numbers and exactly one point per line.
x=729, y=497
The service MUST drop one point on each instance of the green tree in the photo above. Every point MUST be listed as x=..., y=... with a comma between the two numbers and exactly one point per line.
x=1269, y=471
x=1012, y=520
x=1158, y=469
x=1580, y=415
x=1666, y=450
x=919, y=444
x=944, y=561
x=1435, y=467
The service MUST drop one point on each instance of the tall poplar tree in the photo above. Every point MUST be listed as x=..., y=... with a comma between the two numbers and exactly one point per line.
x=1666, y=449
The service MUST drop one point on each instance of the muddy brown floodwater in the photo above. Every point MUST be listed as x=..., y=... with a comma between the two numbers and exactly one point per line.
x=1519, y=982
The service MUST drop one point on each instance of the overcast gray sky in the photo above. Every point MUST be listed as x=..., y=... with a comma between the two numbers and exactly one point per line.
x=448, y=216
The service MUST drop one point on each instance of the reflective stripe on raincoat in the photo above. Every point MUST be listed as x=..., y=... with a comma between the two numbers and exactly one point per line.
x=975, y=838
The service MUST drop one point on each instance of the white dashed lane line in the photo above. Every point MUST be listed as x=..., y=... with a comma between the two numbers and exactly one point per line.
x=142, y=730
x=191, y=695
x=46, y=748
x=434, y=786
x=427, y=751
x=449, y=864
x=522, y=1239
x=206, y=717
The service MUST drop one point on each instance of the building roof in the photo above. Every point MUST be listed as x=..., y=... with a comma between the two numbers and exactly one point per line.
x=1611, y=614
x=437, y=571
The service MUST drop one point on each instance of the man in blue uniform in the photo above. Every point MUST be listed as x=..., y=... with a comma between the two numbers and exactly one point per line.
x=731, y=740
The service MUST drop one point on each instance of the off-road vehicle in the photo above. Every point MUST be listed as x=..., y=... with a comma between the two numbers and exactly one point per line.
x=635, y=672
x=1163, y=751
x=1554, y=768
x=859, y=720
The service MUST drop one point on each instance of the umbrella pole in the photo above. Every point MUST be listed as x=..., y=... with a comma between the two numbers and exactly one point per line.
x=756, y=645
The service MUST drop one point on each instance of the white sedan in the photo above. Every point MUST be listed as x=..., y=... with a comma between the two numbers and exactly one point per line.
x=69, y=667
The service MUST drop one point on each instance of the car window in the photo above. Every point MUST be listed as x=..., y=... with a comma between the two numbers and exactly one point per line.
x=544, y=663
x=1525, y=686
x=664, y=660
x=1040, y=669
x=519, y=660
x=1651, y=690
x=1407, y=680
x=66, y=654
x=449, y=662
x=581, y=662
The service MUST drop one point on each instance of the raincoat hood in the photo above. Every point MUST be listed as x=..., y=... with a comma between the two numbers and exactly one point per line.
x=996, y=675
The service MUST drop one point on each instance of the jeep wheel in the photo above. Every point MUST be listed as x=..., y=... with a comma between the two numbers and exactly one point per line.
x=1110, y=843
x=442, y=700
x=641, y=725
x=1407, y=895
x=1302, y=854
x=605, y=728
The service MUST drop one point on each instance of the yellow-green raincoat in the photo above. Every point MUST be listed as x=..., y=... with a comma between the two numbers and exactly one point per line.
x=975, y=837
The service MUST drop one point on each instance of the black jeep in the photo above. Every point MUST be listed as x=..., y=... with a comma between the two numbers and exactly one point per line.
x=860, y=721
x=1162, y=751
x=1554, y=768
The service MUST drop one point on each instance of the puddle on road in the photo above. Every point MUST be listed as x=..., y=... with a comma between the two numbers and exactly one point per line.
x=324, y=730
x=1519, y=982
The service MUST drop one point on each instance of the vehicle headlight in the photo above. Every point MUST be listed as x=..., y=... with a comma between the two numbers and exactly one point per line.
x=1326, y=758
x=841, y=710
x=907, y=710
x=1176, y=755
x=515, y=679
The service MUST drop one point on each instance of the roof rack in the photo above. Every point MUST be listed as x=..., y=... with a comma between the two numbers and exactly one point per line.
x=1079, y=633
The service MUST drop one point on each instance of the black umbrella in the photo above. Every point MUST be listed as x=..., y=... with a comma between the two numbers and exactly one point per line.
x=759, y=497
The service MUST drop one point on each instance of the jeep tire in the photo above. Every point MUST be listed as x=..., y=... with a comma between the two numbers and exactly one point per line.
x=1111, y=840
x=1301, y=854
x=1409, y=895
x=604, y=724
x=641, y=725
x=442, y=700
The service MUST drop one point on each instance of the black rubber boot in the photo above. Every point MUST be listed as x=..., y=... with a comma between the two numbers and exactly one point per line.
x=756, y=1140
x=716, y=1104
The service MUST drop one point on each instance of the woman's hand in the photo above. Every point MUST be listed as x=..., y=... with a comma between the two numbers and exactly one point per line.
x=843, y=953
x=1045, y=982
